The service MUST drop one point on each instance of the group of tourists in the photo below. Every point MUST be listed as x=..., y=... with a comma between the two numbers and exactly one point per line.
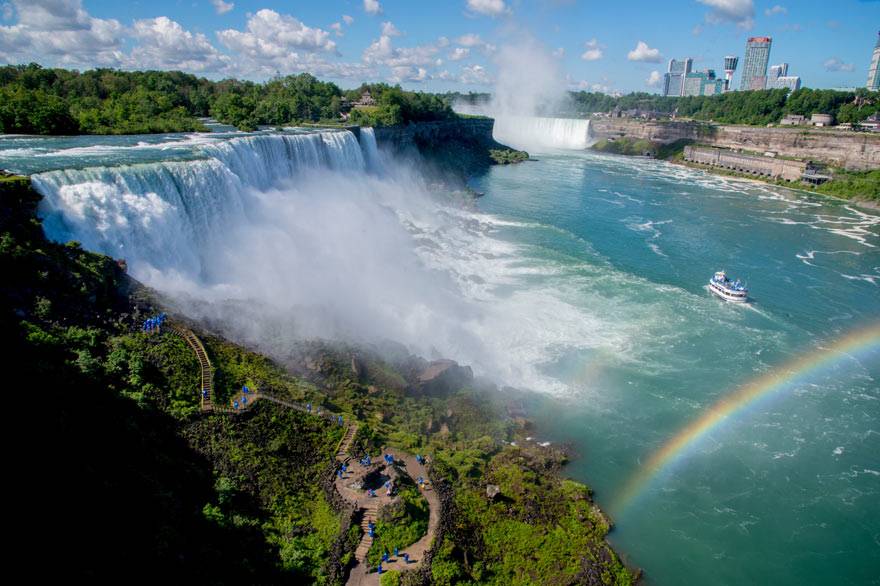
x=154, y=324
x=245, y=391
x=387, y=558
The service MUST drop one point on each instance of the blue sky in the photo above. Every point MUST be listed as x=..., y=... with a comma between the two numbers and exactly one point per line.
x=439, y=45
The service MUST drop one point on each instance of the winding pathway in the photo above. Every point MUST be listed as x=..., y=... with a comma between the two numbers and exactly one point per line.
x=367, y=508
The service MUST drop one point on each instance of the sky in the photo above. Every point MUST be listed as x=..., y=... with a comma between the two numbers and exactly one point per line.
x=440, y=45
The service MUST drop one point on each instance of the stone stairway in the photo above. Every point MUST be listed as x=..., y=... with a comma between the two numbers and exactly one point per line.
x=345, y=444
x=370, y=512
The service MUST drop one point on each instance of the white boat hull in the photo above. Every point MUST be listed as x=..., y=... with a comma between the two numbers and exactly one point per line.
x=737, y=297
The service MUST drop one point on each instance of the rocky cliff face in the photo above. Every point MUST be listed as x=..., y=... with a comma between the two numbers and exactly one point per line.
x=455, y=149
x=850, y=150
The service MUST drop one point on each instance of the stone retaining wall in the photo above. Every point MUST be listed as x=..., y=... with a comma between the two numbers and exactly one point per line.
x=858, y=151
x=755, y=165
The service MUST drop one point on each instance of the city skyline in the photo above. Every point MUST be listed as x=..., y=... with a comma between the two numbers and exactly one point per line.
x=451, y=45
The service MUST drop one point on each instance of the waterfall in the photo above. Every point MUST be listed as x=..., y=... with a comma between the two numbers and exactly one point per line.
x=169, y=215
x=532, y=133
x=368, y=146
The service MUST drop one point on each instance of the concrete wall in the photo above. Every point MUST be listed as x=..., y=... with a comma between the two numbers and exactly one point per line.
x=850, y=150
x=756, y=165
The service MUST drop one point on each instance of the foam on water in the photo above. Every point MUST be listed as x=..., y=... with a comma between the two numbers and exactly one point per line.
x=537, y=133
x=321, y=234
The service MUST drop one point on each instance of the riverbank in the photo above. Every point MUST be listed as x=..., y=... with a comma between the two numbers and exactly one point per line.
x=852, y=151
x=859, y=187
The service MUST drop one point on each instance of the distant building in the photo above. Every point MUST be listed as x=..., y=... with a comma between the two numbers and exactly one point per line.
x=792, y=82
x=702, y=83
x=874, y=70
x=777, y=71
x=754, y=75
x=673, y=80
x=793, y=120
x=730, y=63
x=778, y=78
x=366, y=100
x=821, y=120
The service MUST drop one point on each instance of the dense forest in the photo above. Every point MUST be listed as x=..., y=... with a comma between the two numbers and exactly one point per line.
x=37, y=100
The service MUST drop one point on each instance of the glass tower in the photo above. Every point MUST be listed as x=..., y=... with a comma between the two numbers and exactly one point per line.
x=754, y=76
x=874, y=71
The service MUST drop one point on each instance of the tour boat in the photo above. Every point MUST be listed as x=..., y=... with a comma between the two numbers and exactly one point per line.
x=728, y=290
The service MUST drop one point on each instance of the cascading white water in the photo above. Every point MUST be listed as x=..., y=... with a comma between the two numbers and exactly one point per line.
x=533, y=132
x=369, y=147
x=272, y=238
x=167, y=214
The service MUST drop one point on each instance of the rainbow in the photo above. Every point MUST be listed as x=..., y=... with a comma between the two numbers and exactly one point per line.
x=857, y=342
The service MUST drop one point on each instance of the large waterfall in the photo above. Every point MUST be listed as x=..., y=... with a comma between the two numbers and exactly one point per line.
x=166, y=215
x=276, y=237
x=532, y=132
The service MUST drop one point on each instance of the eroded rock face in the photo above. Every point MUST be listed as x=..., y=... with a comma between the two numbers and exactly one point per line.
x=442, y=377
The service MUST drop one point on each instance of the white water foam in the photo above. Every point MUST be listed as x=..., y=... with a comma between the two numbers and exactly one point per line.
x=279, y=237
x=536, y=133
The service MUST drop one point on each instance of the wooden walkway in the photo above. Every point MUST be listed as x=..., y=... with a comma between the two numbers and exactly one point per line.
x=206, y=392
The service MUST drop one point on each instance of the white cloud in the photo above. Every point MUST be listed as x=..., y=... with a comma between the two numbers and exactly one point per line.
x=474, y=41
x=587, y=86
x=654, y=79
x=222, y=7
x=347, y=19
x=61, y=32
x=697, y=30
x=475, y=75
x=487, y=7
x=643, y=52
x=559, y=53
x=593, y=51
x=372, y=7
x=7, y=11
x=164, y=44
x=776, y=9
x=459, y=53
x=337, y=29
x=469, y=40
x=738, y=12
x=405, y=73
x=273, y=36
x=835, y=64
x=382, y=52
x=389, y=30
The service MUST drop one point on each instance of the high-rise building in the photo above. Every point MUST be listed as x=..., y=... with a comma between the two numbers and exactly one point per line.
x=792, y=82
x=780, y=70
x=730, y=63
x=754, y=76
x=673, y=80
x=874, y=70
x=778, y=78
x=702, y=83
